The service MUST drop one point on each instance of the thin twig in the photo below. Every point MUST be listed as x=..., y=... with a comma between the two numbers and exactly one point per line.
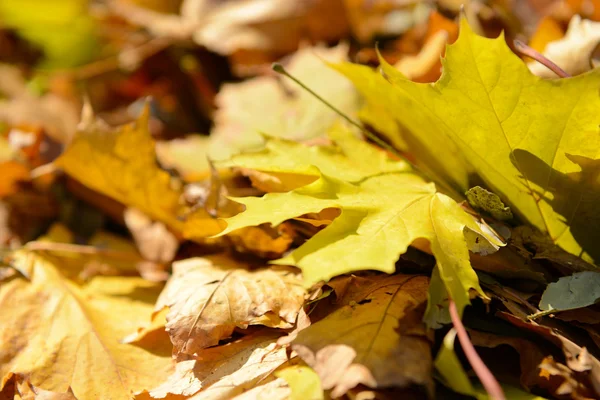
x=537, y=56
x=488, y=380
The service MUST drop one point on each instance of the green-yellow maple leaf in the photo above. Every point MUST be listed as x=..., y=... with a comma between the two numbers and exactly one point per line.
x=535, y=142
x=381, y=215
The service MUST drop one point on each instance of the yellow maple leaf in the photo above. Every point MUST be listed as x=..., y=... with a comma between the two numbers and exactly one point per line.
x=63, y=335
x=121, y=164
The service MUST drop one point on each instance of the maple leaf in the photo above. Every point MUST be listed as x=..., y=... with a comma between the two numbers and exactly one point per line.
x=225, y=371
x=382, y=214
x=103, y=160
x=534, y=142
x=56, y=331
x=293, y=113
x=374, y=336
x=209, y=297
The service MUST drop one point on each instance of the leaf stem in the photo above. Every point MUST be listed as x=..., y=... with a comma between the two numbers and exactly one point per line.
x=381, y=143
x=486, y=377
x=537, y=56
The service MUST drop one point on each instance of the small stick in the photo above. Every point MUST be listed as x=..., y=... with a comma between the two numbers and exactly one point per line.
x=488, y=381
x=537, y=56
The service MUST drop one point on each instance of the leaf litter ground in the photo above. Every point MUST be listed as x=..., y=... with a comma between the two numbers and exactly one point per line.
x=369, y=254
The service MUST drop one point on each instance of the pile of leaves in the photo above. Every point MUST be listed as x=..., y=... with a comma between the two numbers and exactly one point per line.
x=420, y=223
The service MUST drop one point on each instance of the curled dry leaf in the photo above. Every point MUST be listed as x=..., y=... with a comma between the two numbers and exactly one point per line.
x=573, y=52
x=209, y=297
x=55, y=332
x=374, y=336
x=220, y=373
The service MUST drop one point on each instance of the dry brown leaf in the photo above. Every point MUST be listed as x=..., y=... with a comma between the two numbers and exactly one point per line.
x=530, y=355
x=577, y=358
x=225, y=371
x=63, y=335
x=561, y=381
x=375, y=336
x=209, y=297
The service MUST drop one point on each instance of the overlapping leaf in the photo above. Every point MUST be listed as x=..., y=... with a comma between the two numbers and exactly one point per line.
x=209, y=297
x=121, y=164
x=225, y=371
x=382, y=214
x=534, y=142
x=63, y=335
x=374, y=337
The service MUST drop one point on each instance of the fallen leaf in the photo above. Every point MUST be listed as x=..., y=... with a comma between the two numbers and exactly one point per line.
x=423, y=134
x=294, y=113
x=377, y=224
x=225, y=371
x=572, y=52
x=579, y=290
x=559, y=380
x=544, y=168
x=209, y=297
x=105, y=160
x=576, y=358
x=343, y=158
x=382, y=341
x=304, y=383
x=55, y=331
x=121, y=164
